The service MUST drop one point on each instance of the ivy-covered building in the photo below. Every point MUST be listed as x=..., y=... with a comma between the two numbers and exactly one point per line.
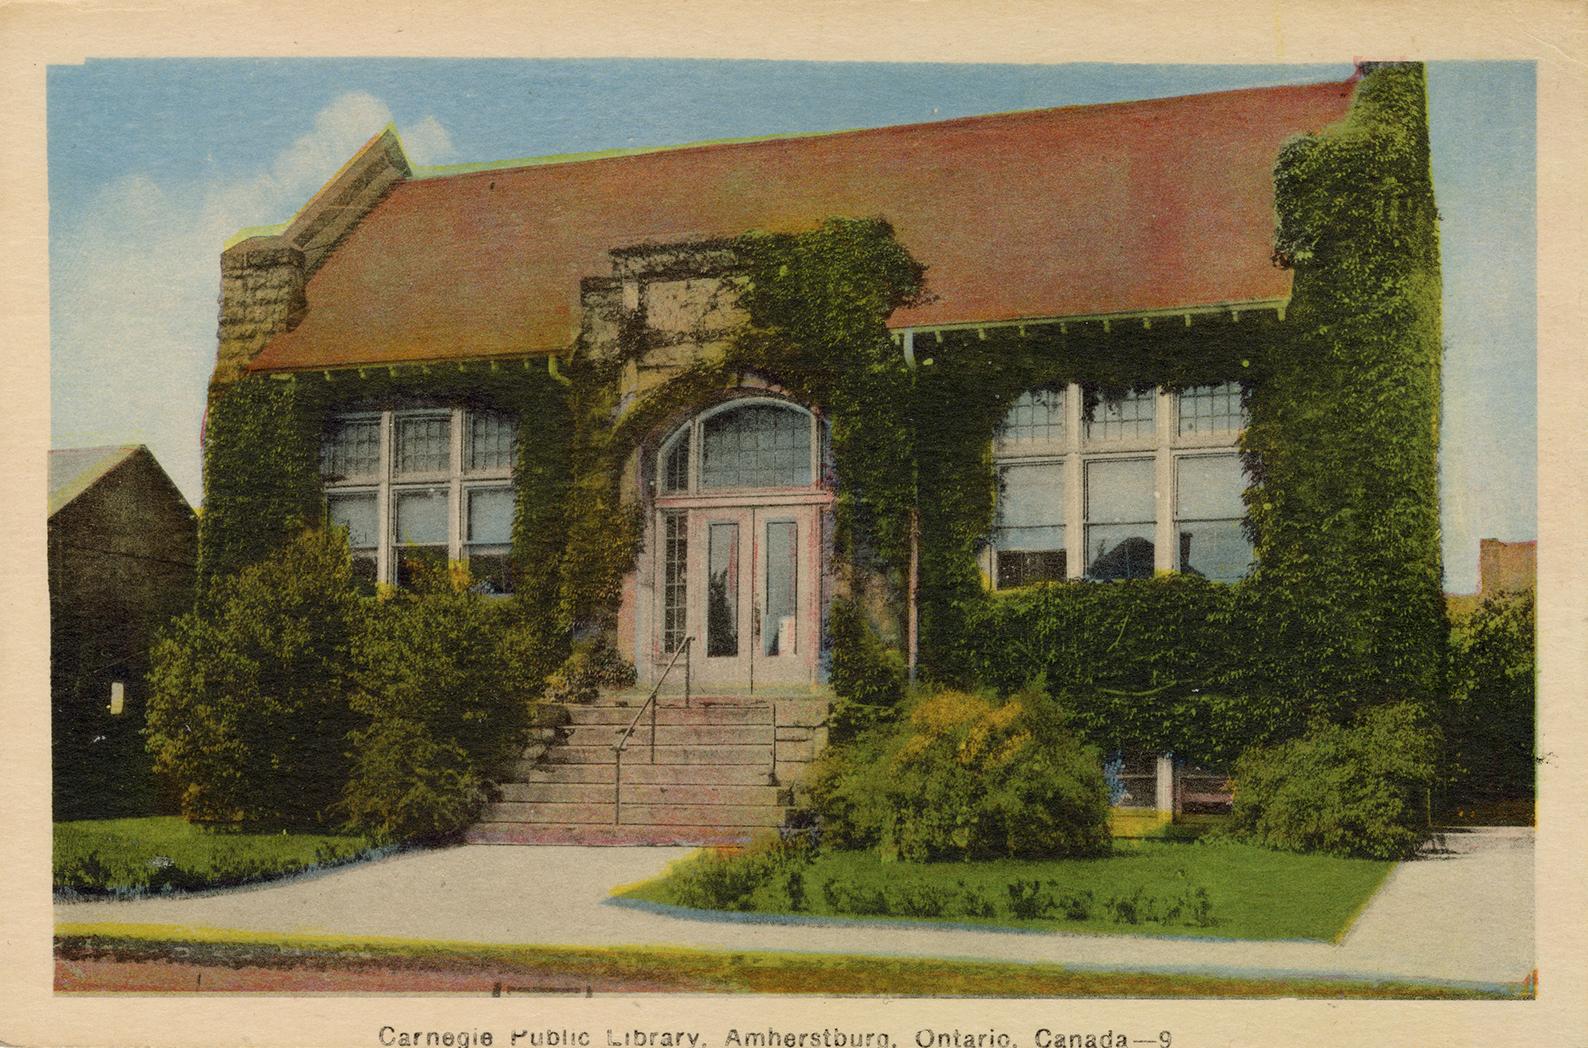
x=1141, y=398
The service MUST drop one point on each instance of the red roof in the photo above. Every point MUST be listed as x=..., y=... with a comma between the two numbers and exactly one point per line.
x=1073, y=211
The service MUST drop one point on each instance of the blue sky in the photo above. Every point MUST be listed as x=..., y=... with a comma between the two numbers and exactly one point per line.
x=154, y=163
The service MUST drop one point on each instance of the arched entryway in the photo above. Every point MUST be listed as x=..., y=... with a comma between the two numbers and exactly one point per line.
x=737, y=545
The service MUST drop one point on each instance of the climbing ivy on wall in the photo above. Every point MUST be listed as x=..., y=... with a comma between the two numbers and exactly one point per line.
x=1346, y=602
x=965, y=386
x=261, y=461
x=1344, y=608
x=261, y=475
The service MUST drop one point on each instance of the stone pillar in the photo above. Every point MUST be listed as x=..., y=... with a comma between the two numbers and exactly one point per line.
x=261, y=295
x=1165, y=792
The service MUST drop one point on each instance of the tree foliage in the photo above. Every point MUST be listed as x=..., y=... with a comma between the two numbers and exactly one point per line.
x=1489, y=729
x=248, y=709
x=1360, y=790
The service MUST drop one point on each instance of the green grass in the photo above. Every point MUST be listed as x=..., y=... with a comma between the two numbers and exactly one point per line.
x=158, y=853
x=1255, y=893
x=464, y=967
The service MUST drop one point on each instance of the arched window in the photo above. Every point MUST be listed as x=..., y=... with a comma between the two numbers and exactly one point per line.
x=759, y=443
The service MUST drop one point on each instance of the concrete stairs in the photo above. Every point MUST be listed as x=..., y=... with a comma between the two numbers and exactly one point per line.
x=714, y=777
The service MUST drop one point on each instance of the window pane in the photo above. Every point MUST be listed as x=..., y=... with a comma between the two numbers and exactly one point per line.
x=490, y=515
x=491, y=568
x=1023, y=567
x=758, y=446
x=1211, y=409
x=675, y=592
x=1119, y=551
x=1132, y=780
x=1216, y=549
x=1133, y=417
x=420, y=562
x=364, y=573
x=422, y=517
x=675, y=465
x=782, y=588
x=490, y=441
x=424, y=444
x=1031, y=495
x=1209, y=487
x=722, y=590
x=1037, y=417
x=1119, y=491
x=351, y=450
x=356, y=513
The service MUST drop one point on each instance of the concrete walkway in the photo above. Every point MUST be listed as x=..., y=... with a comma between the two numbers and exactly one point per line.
x=1465, y=917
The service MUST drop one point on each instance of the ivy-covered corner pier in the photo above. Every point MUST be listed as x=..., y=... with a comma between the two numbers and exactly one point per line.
x=1144, y=414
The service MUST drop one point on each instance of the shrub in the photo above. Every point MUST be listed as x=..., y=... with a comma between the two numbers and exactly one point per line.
x=973, y=901
x=845, y=895
x=729, y=879
x=969, y=779
x=248, y=712
x=590, y=667
x=849, y=783
x=1489, y=726
x=1028, y=900
x=439, y=721
x=1354, y=791
x=867, y=675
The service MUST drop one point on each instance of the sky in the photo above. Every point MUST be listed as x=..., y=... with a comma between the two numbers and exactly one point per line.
x=154, y=163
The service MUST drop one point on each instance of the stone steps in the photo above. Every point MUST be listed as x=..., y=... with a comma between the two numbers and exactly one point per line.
x=667, y=774
x=669, y=735
x=709, y=779
x=716, y=713
x=587, y=835
x=639, y=793
x=688, y=754
x=636, y=814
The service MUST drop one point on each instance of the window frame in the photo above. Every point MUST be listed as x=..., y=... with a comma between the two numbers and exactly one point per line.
x=1079, y=448
x=390, y=483
x=1179, y=519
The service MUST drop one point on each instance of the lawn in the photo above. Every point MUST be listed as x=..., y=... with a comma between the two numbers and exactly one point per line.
x=150, y=959
x=134, y=856
x=1250, y=892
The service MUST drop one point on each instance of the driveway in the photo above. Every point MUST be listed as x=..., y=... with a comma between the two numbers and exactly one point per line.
x=1464, y=917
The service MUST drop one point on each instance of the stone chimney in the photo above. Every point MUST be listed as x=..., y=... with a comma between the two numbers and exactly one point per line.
x=261, y=295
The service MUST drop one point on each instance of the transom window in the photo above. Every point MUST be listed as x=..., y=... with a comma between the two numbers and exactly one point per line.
x=422, y=487
x=1037, y=417
x=1212, y=409
x=1104, y=492
x=745, y=445
x=1132, y=417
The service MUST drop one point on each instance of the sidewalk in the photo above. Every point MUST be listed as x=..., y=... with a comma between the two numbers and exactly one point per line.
x=1465, y=917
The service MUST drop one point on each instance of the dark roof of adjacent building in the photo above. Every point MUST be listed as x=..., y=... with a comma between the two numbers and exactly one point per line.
x=73, y=471
x=1075, y=211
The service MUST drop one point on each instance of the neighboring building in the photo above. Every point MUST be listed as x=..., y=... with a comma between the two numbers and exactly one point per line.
x=121, y=558
x=1507, y=567
x=1154, y=216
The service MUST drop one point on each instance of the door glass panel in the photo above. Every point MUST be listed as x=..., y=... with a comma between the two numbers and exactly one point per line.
x=778, y=626
x=722, y=590
x=675, y=587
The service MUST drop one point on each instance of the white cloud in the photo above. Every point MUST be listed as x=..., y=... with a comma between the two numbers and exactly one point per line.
x=135, y=280
x=428, y=142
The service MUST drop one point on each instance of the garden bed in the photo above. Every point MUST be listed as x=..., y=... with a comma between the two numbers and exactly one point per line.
x=131, y=857
x=1223, y=890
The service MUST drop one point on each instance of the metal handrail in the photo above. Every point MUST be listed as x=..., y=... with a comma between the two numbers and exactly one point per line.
x=650, y=703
